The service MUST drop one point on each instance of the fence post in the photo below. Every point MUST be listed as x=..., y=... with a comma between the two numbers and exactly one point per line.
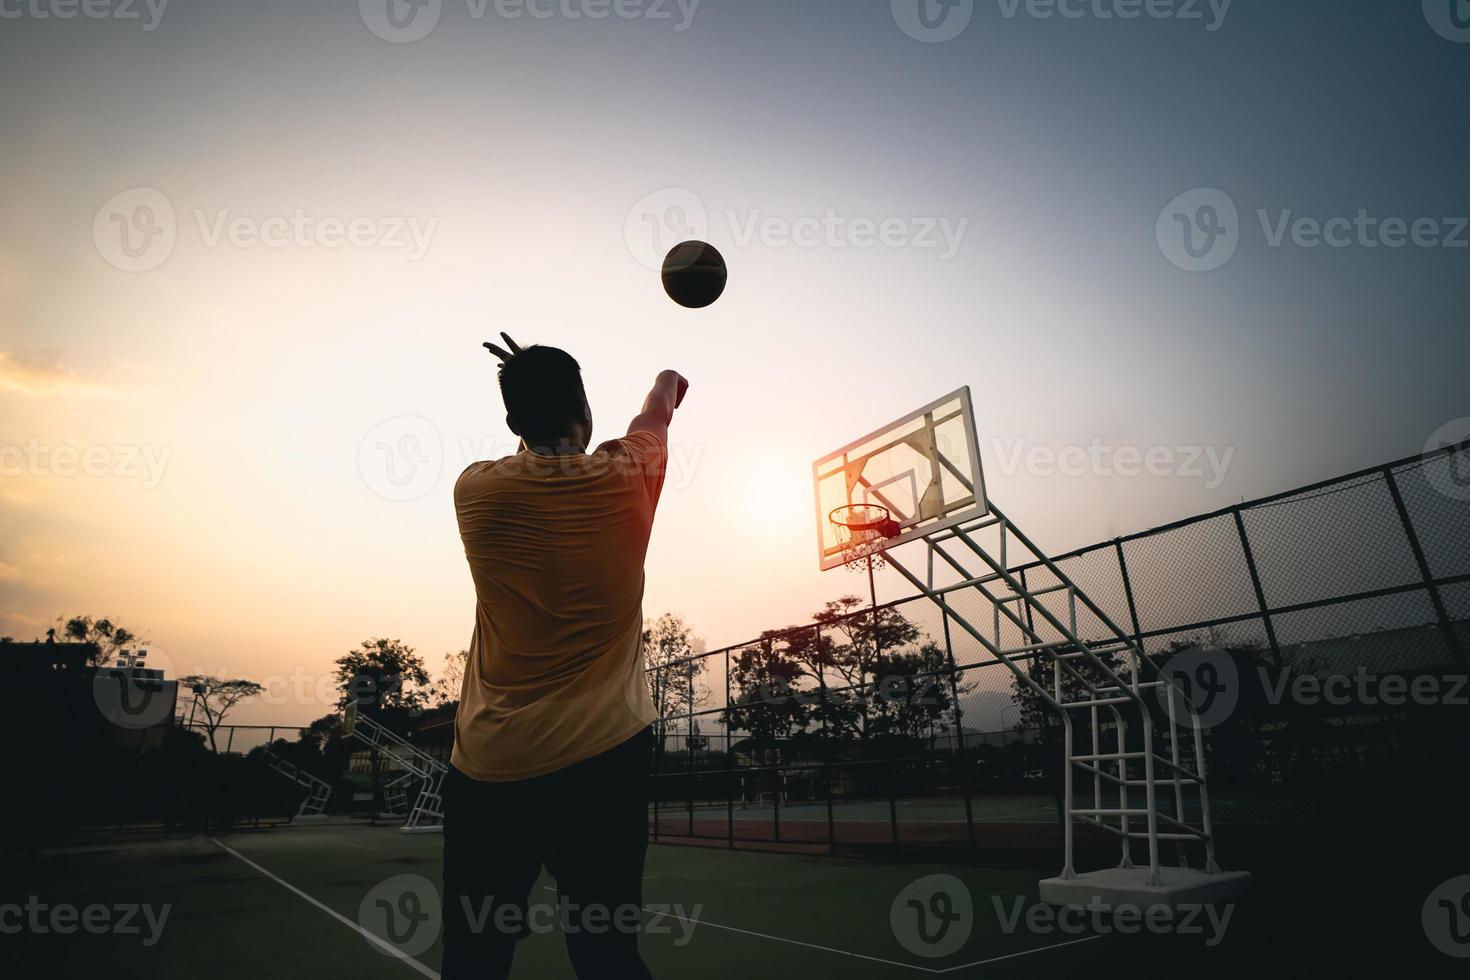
x=689, y=744
x=1424, y=571
x=826, y=707
x=1128, y=593
x=657, y=783
x=959, y=733
x=729, y=762
x=1250, y=564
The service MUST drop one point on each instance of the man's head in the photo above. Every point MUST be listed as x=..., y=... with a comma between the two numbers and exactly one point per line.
x=545, y=403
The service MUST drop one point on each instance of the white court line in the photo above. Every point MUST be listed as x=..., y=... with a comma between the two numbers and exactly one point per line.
x=394, y=951
x=382, y=944
x=857, y=955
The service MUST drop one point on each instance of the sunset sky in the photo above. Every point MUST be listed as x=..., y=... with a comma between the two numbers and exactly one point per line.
x=205, y=433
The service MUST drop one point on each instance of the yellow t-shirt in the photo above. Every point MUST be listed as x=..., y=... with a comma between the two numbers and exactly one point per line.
x=555, y=546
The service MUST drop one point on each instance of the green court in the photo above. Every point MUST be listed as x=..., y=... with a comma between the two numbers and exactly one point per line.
x=289, y=902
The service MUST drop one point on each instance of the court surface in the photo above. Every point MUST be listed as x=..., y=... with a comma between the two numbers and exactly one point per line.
x=287, y=902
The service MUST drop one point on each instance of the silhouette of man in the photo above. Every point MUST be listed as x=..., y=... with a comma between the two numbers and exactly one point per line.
x=552, y=740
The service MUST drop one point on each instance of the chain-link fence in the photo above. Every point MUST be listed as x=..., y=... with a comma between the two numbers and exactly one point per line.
x=1331, y=623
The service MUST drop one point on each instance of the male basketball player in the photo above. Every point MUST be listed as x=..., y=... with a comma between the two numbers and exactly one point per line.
x=552, y=741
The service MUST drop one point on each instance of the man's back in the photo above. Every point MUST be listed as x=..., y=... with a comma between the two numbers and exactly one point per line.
x=556, y=548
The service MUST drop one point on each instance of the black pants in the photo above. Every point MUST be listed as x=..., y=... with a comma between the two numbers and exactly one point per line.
x=588, y=823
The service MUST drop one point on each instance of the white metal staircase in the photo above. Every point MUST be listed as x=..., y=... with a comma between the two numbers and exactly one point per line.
x=318, y=790
x=427, y=814
x=1133, y=744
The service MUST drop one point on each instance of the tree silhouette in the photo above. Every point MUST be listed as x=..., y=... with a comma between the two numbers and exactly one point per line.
x=383, y=674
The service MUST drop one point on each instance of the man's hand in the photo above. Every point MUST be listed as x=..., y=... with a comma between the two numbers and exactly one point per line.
x=658, y=408
x=501, y=352
x=681, y=385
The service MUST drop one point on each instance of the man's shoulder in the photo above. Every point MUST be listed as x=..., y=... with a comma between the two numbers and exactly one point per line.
x=634, y=443
x=477, y=473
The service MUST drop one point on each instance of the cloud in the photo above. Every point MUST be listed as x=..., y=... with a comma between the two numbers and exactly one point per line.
x=36, y=375
x=8, y=571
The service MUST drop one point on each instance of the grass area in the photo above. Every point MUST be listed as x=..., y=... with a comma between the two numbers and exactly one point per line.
x=288, y=903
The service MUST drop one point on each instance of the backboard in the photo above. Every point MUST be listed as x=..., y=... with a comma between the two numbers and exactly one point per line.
x=925, y=468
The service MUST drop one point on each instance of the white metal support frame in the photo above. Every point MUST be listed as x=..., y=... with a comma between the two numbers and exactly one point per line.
x=318, y=790
x=427, y=815
x=1116, y=703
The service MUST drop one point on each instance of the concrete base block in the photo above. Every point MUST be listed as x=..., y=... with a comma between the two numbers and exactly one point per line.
x=1130, y=886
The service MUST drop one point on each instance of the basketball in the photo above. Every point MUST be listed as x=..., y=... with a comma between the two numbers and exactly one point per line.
x=694, y=274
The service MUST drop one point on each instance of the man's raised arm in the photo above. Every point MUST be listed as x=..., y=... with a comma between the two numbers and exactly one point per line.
x=658, y=408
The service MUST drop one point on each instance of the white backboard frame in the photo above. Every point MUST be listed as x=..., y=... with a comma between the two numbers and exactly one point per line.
x=836, y=462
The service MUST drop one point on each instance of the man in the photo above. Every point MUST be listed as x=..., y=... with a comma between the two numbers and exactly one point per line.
x=552, y=739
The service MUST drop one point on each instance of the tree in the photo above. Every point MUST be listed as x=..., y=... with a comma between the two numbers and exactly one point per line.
x=854, y=640
x=912, y=698
x=110, y=638
x=448, y=688
x=765, y=701
x=381, y=674
x=672, y=670
x=217, y=698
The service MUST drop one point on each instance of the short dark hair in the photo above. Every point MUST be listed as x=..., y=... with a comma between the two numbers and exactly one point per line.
x=542, y=388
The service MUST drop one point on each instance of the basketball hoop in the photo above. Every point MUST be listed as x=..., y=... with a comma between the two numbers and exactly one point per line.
x=863, y=531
